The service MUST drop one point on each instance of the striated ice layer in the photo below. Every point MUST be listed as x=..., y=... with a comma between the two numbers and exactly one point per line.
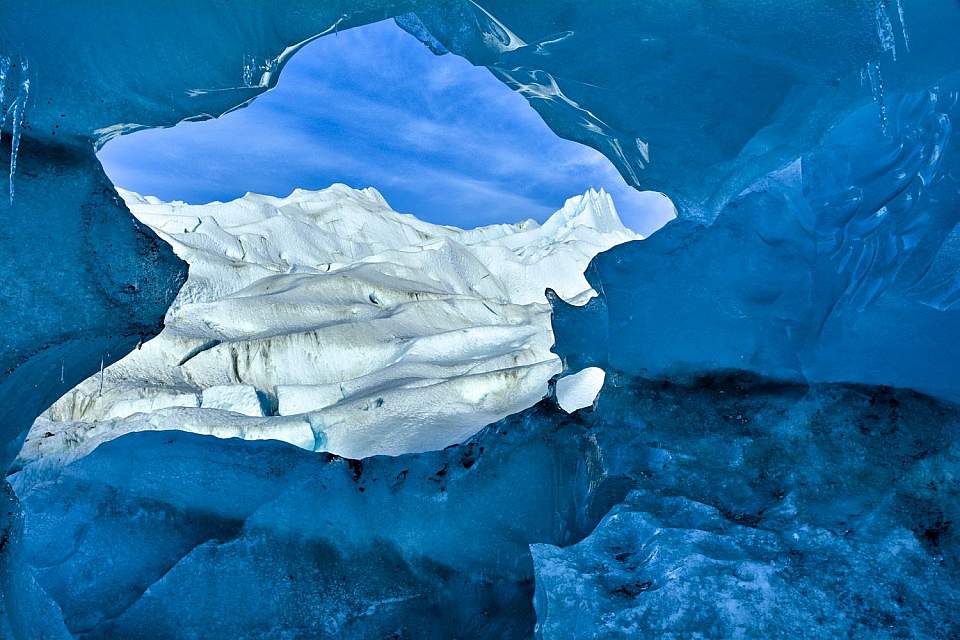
x=330, y=321
x=726, y=507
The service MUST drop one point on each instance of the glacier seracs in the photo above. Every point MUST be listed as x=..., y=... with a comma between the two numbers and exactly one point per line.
x=330, y=321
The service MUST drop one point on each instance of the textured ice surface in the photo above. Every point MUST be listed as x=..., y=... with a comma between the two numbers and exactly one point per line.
x=329, y=320
x=767, y=511
x=841, y=266
x=758, y=510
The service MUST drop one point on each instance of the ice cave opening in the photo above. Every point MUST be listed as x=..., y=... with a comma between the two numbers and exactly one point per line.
x=324, y=318
x=773, y=452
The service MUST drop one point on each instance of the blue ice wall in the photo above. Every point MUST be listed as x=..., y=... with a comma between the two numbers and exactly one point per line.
x=841, y=266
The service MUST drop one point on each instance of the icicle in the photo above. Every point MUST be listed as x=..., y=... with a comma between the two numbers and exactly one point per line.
x=644, y=148
x=248, y=65
x=4, y=69
x=885, y=29
x=903, y=25
x=18, y=109
x=876, y=88
x=100, y=390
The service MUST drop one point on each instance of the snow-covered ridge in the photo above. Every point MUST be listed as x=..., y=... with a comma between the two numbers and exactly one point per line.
x=328, y=320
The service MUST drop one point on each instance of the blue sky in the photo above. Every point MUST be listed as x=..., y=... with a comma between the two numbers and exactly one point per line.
x=372, y=106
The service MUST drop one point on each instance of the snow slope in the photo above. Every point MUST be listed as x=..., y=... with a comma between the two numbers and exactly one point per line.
x=330, y=321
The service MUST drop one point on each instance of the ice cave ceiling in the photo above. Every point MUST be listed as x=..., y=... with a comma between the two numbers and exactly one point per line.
x=808, y=145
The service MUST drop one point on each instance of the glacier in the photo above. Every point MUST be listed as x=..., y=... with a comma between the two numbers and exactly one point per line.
x=773, y=452
x=328, y=320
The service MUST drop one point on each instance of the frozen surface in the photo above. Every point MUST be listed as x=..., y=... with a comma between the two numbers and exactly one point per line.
x=746, y=509
x=329, y=320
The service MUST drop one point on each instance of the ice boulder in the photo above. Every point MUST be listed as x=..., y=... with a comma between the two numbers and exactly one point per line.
x=293, y=399
x=646, y=569
x=580, y=389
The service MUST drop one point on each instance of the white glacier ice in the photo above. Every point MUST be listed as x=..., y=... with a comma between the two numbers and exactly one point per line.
x=580, y=390
x=238, y=398
x=330, y=321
